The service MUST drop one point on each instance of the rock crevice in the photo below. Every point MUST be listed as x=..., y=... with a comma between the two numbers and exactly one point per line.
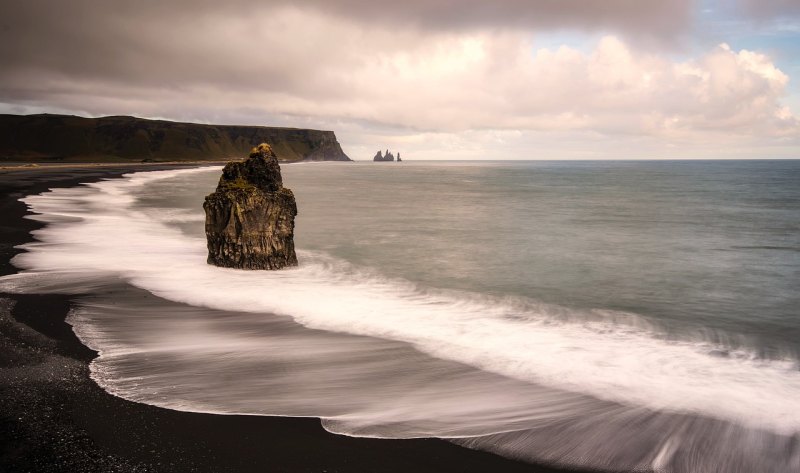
x=250, y=216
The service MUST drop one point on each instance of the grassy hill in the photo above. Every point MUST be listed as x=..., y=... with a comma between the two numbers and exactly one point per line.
x=65, y=138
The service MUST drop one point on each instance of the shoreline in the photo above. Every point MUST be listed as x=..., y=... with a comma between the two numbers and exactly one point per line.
x=141, y=166
x=55, y=418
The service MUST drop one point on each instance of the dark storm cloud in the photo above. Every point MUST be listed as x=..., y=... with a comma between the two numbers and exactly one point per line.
x=78, y=36
x=142, y=44
x=657, y=17
x=50, y=48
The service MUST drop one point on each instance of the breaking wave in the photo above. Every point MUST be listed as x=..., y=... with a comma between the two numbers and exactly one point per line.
x=380, y=356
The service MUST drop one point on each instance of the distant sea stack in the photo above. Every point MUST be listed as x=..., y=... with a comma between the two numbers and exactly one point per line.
x=64, y=138
x=379, y=157
x=250, y=217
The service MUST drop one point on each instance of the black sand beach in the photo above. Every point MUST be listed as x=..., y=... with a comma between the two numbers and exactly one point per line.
x=53, y=417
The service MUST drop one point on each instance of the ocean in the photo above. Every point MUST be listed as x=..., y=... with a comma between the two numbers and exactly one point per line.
x=614, y=315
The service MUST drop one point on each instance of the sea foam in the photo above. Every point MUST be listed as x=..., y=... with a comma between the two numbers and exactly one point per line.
x=96, y=234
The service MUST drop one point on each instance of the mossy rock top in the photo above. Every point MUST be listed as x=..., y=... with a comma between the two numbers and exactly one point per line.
x=261, y=171
x=262, y=150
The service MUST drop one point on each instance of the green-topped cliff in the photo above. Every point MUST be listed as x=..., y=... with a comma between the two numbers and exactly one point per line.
x=77, y=139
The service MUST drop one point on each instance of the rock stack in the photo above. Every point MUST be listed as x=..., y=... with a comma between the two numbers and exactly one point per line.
x=380, y=157
x=250, y=217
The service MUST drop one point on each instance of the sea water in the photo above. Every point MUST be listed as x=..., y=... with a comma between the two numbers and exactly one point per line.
x=613, y=315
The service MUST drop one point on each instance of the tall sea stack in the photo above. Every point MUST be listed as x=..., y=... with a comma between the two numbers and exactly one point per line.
x=250, y=217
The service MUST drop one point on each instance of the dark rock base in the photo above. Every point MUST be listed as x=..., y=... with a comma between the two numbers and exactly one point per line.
x=250, y=216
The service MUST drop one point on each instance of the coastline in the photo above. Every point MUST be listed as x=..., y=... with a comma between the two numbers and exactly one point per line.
x=110, y=166
x=55, y=418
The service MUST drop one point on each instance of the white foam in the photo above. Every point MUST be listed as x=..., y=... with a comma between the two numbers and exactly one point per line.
x=97, y=230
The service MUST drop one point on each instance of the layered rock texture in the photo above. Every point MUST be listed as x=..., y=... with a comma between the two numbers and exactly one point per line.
x=38, y=138
x=250, y=217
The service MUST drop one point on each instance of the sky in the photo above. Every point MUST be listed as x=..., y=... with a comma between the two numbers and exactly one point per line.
x=433, y=79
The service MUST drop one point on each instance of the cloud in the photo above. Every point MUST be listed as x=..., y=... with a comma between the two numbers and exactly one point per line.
x=761, y=9
x=161, y=42
x=652, y=18
x=395, y=77
x=662, y=18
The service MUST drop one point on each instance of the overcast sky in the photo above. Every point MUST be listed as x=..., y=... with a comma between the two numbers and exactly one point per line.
x=433, y=79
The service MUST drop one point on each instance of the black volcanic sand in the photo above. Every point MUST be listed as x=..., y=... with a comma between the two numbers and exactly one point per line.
x=53, y=417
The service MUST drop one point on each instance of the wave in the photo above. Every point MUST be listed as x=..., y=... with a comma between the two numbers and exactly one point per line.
x=587, y=375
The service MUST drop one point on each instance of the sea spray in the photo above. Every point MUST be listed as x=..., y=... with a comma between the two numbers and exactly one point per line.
x=558, y=364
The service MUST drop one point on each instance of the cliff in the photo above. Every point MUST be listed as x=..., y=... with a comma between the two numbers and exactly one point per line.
x=113, y=139
x=250, y=216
